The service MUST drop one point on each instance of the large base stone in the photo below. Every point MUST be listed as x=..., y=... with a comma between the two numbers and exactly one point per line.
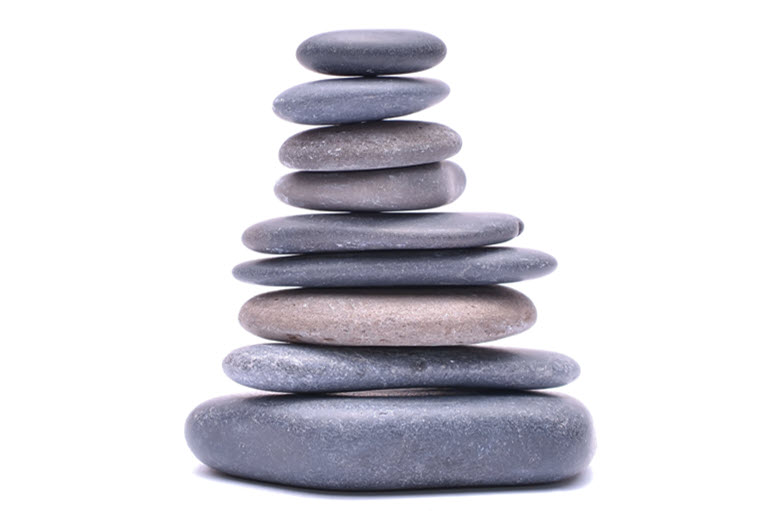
x=393, y=441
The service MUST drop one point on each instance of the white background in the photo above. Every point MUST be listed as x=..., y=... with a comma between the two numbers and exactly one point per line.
x=137, y=142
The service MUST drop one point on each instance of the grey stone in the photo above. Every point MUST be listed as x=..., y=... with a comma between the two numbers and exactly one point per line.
x=371, y=52
x=426, y=316
x=351, y=232
x=294, y=368
x=394, y=440
x=345, y=100
x=402, y=188
x=370, y=145
x=456, y=267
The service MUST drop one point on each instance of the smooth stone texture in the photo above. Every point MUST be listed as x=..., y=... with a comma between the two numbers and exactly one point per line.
x=394, y=440
x=370, y=145
x=371, y=52
x=456, y=267
x=292, y=368
x=430, y=316
x=353, y=232
x=398, y=189
x=345, y=100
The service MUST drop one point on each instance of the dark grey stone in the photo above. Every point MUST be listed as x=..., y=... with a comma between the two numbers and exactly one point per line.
x=295, y=368
x=345, y=100
x=370, y=145
x=371, y=52
x=403, y=188
x=394, y=440
x=352, y=232
x=457, y=267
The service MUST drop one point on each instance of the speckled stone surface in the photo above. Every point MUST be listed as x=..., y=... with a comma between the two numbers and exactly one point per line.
x=456, y=267
x=394, y=440
x=432, y=316
x=345, y=100
x=371, y=52
x=370, y=145
x=353, y=232
x=294, y=368
x=398, y=189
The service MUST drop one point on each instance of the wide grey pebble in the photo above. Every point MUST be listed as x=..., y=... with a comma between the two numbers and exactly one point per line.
x=456, y=267
x=345, y=100
x=398, y=189
x=294, y=368
x=371, y=52
x=394, y=316
x=353, y=232
x=370, y=145
x=394, y=440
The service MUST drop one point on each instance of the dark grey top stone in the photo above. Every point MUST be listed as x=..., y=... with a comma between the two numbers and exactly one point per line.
x=402, y=188
x=371, y=52
x=293, y=368
x=394, y=440
x=345, y=100
x=457, y=267
x=370, y=145
x=352, y=232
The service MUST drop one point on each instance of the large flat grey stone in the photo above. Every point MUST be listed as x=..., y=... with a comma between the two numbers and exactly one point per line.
x=370, y=145
x=394, y=440
x=456, y=267
x=345, y=100
x=371, y=52
x=352, y=232
x=295, y=368
x=432, y=316
x=403, y=188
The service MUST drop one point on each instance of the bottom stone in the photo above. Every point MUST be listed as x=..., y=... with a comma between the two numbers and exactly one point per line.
x=394, y=440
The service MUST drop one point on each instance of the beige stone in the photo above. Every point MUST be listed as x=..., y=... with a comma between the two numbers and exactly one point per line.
x=418, y=316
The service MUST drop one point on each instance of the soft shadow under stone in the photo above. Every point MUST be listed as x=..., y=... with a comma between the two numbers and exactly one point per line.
x=393, y=440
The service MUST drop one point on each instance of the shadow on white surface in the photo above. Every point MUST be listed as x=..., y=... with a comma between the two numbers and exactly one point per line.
x=572, y=483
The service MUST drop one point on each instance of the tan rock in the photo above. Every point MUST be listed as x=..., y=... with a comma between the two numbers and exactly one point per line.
x=417, y=316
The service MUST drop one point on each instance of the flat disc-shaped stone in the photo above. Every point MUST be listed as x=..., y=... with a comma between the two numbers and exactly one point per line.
x=432, y=316
x=352, y=232
x=345, y=100
x=398, y=189
x=394, y=440
x=370, y=145
x=456, y=267
x=371, y=52
x=295, y=368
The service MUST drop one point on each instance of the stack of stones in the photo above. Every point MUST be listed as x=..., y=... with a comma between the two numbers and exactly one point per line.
x=377, y=388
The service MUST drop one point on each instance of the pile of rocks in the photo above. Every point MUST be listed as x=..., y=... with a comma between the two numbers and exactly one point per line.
x=387, y=300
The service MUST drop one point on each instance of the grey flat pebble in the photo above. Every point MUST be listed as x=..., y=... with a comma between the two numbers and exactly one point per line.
x=352, y=232
x=427, y=316
x=456, y=267
x=394, y=440
x=294, y=368
x=398, y=189
x=370, y=145
x=345, y=100
x=371, y=52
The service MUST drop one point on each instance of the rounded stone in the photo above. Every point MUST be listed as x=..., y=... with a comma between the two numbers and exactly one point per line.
x=354, y=232
x=394, y=440
x=398, y=189
x=345, y=100
x=430, y=316
x=371, y=52
x=295, y=368
x=456, y=267
x=370, y=145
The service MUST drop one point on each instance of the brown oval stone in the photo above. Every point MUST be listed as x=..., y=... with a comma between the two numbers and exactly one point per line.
x=419, y=316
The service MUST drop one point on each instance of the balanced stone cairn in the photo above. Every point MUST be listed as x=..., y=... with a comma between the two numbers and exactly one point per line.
x=374, y=387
